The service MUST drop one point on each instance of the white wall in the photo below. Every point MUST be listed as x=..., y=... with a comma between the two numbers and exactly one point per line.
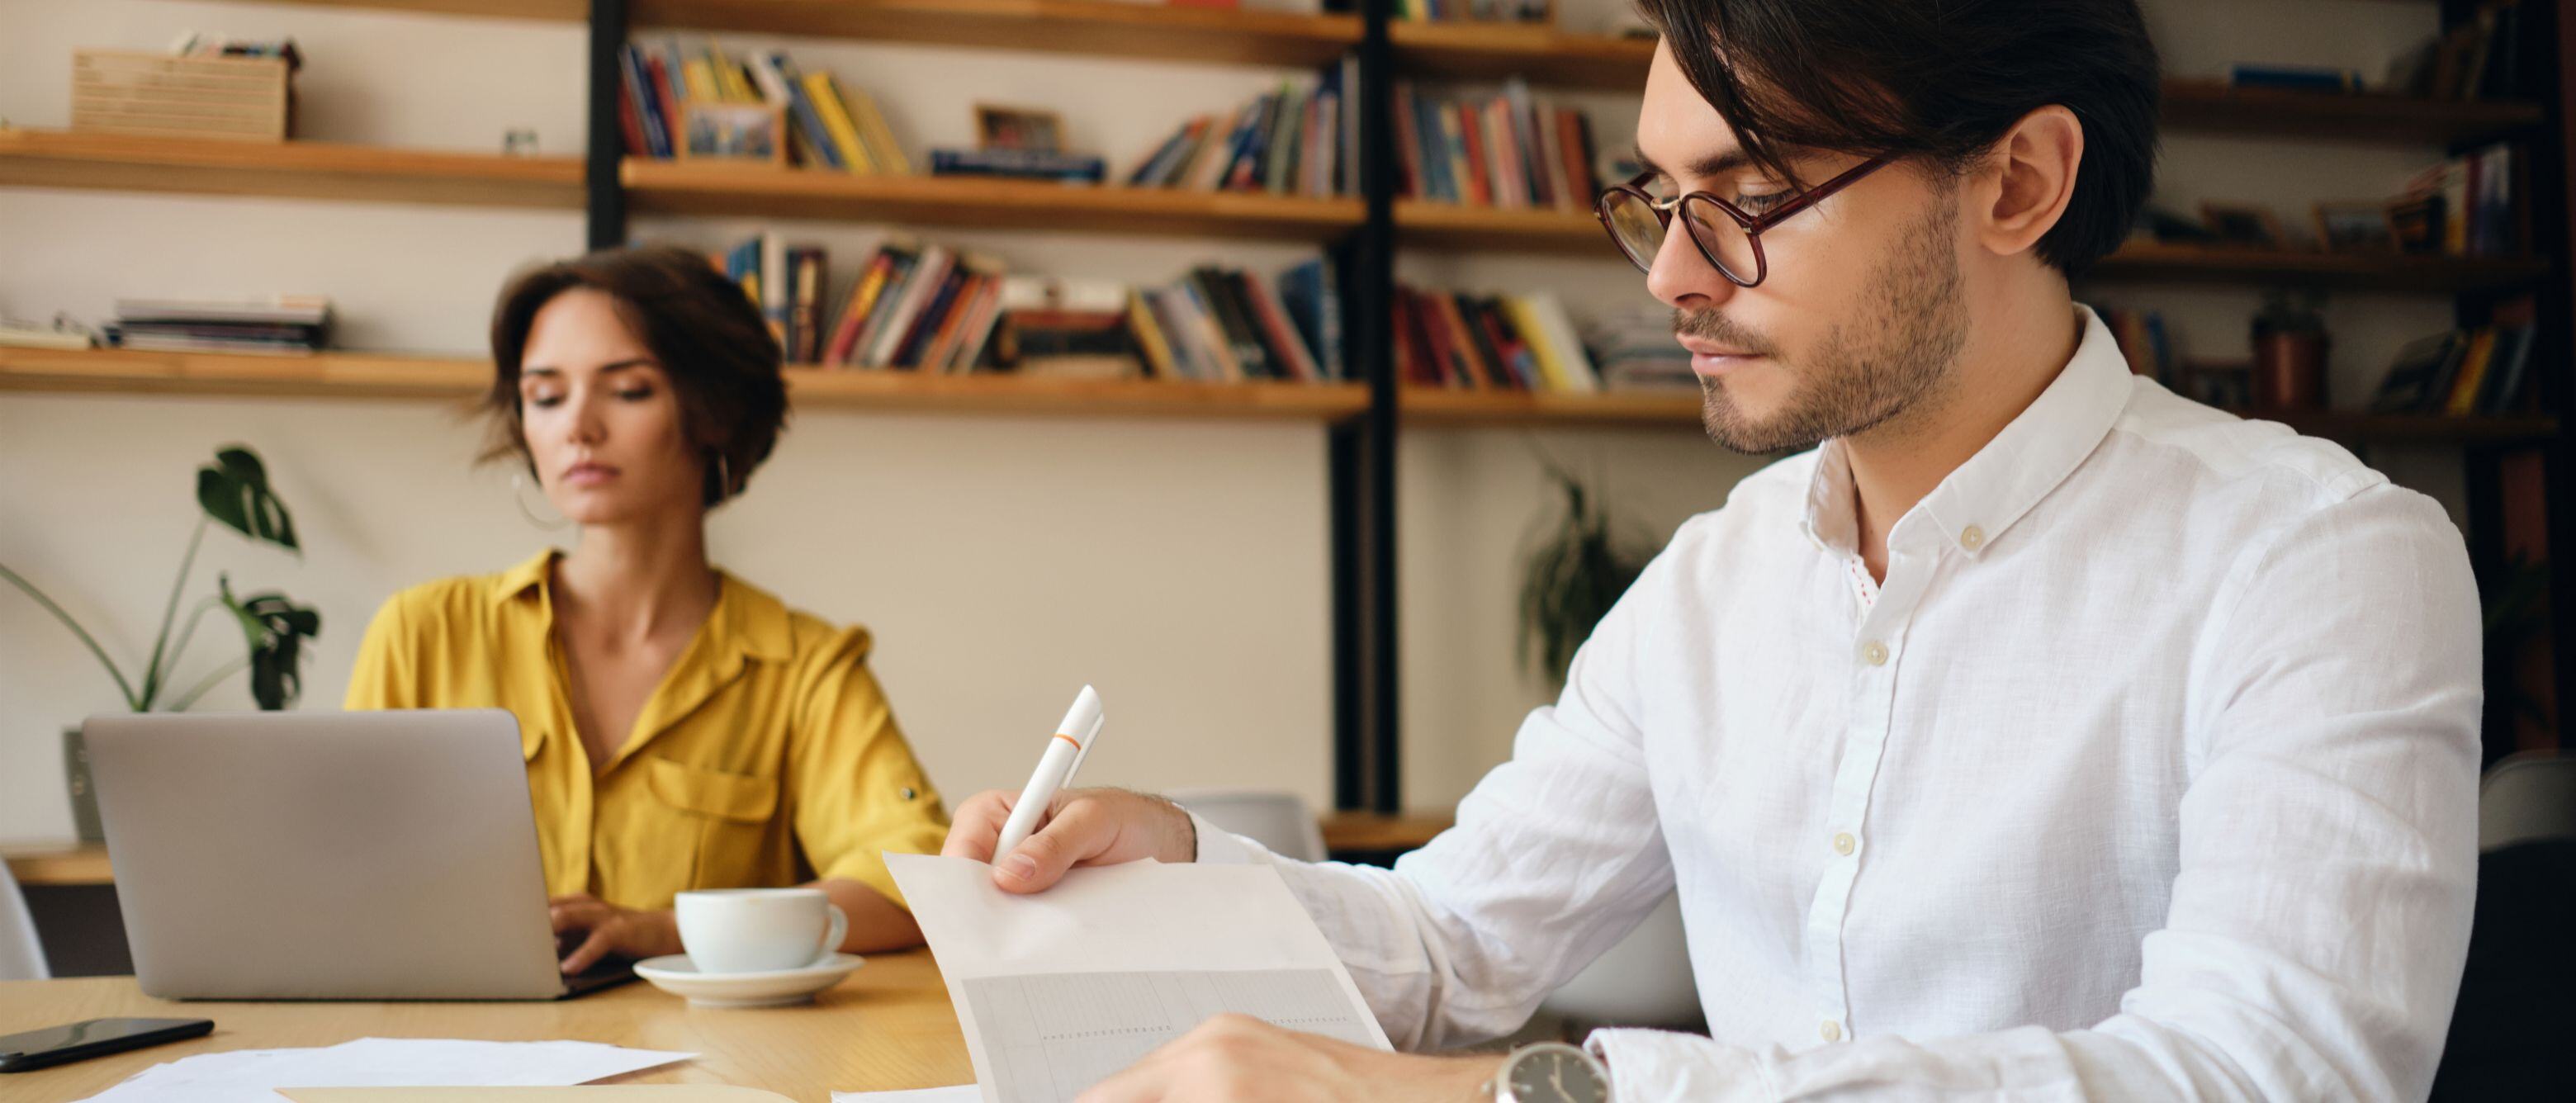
x=1001, y=562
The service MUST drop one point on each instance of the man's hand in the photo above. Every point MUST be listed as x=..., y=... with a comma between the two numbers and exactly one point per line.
x=1084, y=827
x=1237, y=1057
x=612, y=930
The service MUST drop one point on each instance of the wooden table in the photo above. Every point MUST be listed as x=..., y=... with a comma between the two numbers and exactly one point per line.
x=57, y=863
x=1344, y=832
x=888, y=1026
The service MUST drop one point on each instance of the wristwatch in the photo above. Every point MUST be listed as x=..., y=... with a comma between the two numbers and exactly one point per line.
x=1550, y=1072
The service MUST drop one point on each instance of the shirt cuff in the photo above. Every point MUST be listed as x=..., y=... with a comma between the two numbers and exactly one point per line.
x=1661, y=1064
x=1219, y=847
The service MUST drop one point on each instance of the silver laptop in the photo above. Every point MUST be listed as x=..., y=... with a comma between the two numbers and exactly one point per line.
x=360, y=856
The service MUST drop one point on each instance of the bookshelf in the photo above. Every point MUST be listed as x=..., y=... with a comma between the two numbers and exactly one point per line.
x=1455, y=227
x=704, y=187
x=1361, y=417
x=1430, y=406
x=1098, y=27
x=290, y=170
x=1471, y=51
x=370, y=375
x=2212, y=107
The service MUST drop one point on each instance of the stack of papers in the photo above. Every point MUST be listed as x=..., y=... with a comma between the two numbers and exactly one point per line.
x=1059, y=990
x=255, y=1075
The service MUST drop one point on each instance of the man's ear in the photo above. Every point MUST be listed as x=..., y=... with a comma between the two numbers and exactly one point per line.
x=2028, y=181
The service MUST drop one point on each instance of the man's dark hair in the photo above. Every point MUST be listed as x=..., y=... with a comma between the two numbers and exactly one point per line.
x=1940, y=80
x=722, y=360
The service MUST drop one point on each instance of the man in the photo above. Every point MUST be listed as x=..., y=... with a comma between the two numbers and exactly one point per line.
x=2041, y=735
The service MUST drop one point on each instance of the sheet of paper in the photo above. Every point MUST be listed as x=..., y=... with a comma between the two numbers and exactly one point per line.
x=1057, y=990
x=254, y=1075
x=958, y=1093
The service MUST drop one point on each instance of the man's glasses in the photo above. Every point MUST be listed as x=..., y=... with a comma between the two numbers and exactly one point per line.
x=1728, y=237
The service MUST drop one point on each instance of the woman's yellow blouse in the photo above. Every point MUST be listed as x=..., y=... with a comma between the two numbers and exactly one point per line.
x=766, y=757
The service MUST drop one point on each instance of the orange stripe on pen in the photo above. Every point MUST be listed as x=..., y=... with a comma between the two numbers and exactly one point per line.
x=1077, y=744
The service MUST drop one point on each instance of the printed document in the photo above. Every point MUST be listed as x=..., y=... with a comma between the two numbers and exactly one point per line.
x=1059, y=990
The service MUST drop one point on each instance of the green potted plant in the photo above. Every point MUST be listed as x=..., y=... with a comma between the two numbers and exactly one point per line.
x=1571, y=579
x=232, y=491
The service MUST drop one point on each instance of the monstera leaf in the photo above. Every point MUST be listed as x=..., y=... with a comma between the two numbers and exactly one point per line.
x=234, y=491
x=276, y=629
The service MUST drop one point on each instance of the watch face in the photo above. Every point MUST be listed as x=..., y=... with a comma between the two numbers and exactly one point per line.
x=1556, y=1075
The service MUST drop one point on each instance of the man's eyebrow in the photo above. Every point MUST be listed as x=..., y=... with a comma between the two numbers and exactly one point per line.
x=1698, y=168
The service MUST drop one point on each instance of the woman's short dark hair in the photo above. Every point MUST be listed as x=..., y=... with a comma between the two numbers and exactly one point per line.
x=1942, y=81
x=723, y=363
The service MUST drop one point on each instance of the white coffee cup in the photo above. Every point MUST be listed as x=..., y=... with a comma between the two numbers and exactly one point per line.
x=759, y=930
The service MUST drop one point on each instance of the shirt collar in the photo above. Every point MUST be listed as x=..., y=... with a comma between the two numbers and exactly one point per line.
x=1983, y=499
x=746, y=621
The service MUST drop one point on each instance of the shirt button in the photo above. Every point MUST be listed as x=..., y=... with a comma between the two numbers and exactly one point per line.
x=1832, y=1031
x=1874, y=653
x=1972, y=538
x=1844, y=843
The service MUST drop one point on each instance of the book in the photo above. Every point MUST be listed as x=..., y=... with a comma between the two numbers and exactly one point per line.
x=1227, y=308
x=1157, y=349
x=1023, y=164
x=825, y=93
x=2465, y=387
x=882, y=148
x=926, y=281
x=806, y=269
x=872, y=281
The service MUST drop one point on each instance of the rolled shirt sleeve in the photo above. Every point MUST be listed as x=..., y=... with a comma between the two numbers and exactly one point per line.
x=857, y=790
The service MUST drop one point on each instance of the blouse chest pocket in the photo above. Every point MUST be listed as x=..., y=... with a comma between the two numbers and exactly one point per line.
x=726, y=817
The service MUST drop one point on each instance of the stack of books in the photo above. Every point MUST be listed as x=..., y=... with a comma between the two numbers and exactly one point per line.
x=1513, y=151
x=1225, y=325
x=2496, y=53
x=1636, y=352
x=284, y=325
x=1482, y=11
x=1294, y=141
x=829, y=125
x=2467, y=206
x=2463, y=372
x=1489, y=342
x=926, y=308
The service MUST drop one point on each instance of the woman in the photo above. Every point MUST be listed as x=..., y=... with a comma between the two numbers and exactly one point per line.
x=682, y=729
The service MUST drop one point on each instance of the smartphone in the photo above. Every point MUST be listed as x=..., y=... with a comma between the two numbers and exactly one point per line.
x=57, y=1045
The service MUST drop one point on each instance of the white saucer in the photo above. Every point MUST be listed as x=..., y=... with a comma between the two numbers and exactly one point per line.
x=676, y=974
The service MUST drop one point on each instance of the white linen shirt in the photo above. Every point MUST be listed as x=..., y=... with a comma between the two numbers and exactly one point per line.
x=2149, y=772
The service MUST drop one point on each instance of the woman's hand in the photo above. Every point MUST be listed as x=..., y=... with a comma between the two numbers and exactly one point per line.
x=612, y=930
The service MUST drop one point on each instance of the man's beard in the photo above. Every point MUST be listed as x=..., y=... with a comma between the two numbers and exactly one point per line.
x=1845, y=387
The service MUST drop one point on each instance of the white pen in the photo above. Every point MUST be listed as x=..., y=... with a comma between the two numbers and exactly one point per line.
x=1065, y=751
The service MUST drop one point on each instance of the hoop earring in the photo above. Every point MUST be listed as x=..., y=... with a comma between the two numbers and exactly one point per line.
x=519, y=498
x=724, y=482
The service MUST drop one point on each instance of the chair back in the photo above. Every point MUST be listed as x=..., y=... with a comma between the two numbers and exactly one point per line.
x=22, y=957
x=1277, y=819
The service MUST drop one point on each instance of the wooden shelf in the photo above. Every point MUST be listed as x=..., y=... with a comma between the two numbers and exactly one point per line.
x=2213, y=107
x=699, y=187
x=569, y=11
x=1541, y=53
x=1224, y=36
x=1459, y=227
x=1434, y=406
x=1429, y=406
x=1006, y=394
x=2354, y=427
x=1378, y=832
x=299, y=170
x=2365, y=271
x=361, y=375
x=1450, y=226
